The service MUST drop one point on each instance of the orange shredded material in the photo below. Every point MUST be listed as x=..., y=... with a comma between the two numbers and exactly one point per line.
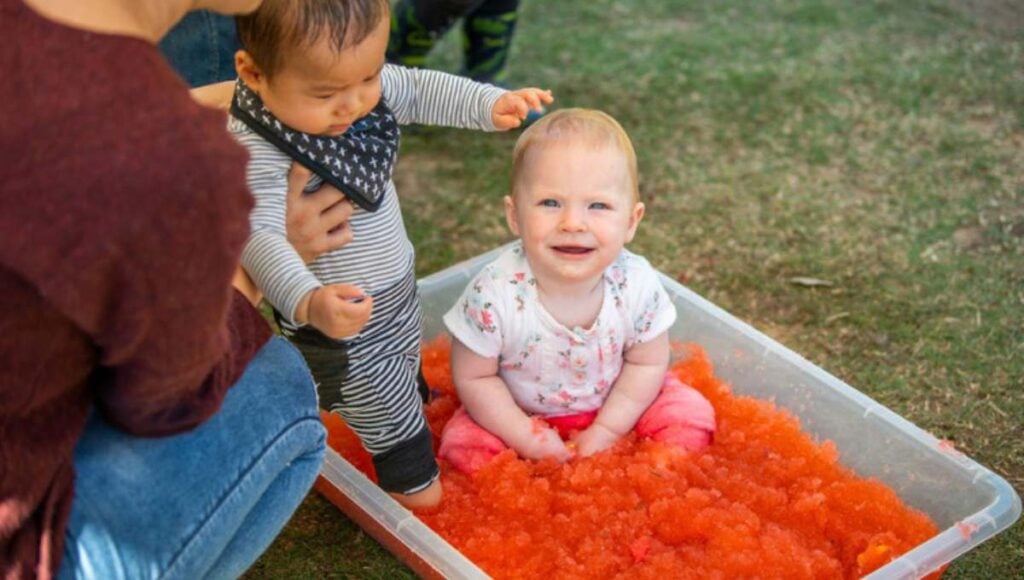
x=876, y=554
x=639, y=548
x=764, y=500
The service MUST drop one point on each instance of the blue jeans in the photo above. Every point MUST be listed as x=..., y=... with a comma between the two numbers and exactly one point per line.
x=202, y=504
x=201, y=47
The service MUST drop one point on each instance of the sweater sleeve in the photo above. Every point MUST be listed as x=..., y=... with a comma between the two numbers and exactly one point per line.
x=150, y=397
x=153, y=286
x=433, y=97
x=274, y=264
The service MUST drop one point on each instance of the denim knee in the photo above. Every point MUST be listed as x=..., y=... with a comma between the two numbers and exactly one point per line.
x=201, y=47
x=292, y=383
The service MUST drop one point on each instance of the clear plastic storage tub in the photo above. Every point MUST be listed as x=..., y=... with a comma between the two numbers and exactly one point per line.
x=968, y=502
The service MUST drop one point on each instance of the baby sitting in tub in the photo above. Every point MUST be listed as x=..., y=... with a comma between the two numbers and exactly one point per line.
x=564, y=337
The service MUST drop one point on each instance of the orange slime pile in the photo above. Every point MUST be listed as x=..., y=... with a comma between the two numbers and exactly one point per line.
x=763, y=501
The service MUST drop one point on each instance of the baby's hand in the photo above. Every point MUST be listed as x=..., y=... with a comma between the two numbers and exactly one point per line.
x=339, y=310
x=543, y=442
x=594, y=439
x=510, y=110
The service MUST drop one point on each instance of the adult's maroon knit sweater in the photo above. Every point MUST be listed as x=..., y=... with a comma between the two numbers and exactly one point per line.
x=123, y=211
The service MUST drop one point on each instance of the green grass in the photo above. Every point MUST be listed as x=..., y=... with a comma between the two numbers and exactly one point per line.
x=875, y=144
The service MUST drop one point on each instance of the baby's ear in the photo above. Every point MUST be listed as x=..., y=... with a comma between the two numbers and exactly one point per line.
x=247, y=70
x=510, y=215
x=634, y=220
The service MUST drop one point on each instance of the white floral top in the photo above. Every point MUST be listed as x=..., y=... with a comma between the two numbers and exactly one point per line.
x=550, y=369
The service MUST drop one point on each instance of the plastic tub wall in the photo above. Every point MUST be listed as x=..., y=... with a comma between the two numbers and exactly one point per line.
x=968, y=502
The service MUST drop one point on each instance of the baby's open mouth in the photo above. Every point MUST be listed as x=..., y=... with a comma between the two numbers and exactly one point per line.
x=573, y=249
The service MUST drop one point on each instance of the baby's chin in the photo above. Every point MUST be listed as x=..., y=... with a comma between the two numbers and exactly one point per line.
x=321, y=130
x=335, y=130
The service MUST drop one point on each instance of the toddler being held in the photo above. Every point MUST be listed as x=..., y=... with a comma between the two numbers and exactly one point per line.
x=314, y=87
x=565, y=334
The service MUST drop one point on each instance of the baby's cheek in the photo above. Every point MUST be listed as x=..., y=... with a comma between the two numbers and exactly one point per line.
x=373, y=98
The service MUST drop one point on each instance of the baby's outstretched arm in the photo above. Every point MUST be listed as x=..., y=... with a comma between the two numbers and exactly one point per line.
x=512, y=108
x=489, y=403
x=636, y=388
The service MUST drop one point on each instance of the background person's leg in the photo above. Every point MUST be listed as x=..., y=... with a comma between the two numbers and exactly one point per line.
x=487, y=33
x=205, y=503
x=201, y=48
x=417, y=25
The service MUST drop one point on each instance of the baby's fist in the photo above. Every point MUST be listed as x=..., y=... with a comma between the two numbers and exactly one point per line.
x=339, y=310
x=545, y=442
x=594, y=439
x=512, y=108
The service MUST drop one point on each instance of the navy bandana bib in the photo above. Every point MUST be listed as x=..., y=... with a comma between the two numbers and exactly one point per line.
x=358, y=162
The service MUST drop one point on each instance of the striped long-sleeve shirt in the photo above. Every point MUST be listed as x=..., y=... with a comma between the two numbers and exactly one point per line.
x=380, y=252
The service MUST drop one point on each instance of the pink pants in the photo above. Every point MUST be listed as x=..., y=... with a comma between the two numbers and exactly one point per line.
x=679, y=416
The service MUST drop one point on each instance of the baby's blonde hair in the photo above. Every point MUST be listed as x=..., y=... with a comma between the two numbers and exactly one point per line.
x=596, y=128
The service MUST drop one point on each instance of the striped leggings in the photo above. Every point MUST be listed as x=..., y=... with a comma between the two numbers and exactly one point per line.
x=373, y=381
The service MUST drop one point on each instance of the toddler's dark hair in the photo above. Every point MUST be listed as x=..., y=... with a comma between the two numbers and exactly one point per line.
x=280, y=26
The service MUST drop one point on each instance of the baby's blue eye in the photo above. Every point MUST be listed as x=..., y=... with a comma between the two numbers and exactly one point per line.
x=548, y=203
x=600, y=205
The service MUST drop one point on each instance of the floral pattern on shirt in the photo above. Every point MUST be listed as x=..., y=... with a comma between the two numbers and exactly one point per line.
x=617, y=283
x=479, y=311
x=643, y=322
x=556, y=395
x=524, y=289
x=529, y=346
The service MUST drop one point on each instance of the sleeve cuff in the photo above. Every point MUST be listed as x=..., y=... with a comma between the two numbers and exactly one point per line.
x=454, y=321
x=489, y=95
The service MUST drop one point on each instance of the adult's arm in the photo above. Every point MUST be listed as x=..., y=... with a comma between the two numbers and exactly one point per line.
x=172, y=333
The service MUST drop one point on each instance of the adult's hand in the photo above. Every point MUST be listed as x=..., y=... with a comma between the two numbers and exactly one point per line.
x=316, y=222
x=216, y=96
x=244, y=284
